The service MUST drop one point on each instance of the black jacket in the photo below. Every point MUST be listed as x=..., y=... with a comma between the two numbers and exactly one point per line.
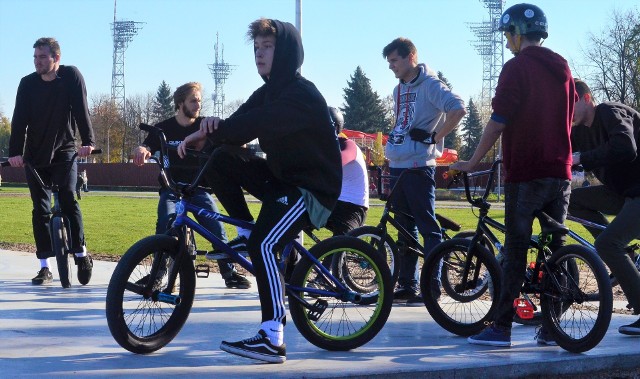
x=290, y=118
x=609, y=147
x=47, y=115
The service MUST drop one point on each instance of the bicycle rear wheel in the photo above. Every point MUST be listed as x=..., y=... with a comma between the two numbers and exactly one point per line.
x=383, y=244
x=60, y=244
x=576, y=310
x=460, y=304
x=140, y=309
x=340, y=320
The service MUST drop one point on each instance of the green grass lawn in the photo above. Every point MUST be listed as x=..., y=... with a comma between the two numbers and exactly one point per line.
x=116, y=220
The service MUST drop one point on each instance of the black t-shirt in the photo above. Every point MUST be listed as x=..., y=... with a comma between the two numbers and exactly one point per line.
x=182, y=170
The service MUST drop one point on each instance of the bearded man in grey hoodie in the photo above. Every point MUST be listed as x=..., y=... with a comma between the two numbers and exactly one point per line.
x=426, y=111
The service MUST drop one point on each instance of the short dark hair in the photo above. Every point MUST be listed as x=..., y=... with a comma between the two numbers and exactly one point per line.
x=181, y=93
x=402, y=45
x=51, y=42
x=261, y=27
x=582, y=88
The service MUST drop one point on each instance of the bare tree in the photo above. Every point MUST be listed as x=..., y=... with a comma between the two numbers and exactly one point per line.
x=107, y=126
x=613, y=59
x=232, y=106
x=140, y=109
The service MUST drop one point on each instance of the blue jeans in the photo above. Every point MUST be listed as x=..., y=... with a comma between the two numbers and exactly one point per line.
x=550, y=195
x=415, y=195
x=167, y=211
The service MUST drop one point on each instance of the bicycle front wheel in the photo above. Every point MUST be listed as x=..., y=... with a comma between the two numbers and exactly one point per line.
x=340, y=319
x=143, y=313
x=60, y=244
x=576, y=309
x=461, y=302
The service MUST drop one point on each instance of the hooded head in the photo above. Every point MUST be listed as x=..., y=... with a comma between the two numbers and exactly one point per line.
x=288, y=53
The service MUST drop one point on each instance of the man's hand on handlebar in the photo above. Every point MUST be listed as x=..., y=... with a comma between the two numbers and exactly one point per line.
x=465, y=166
x=85, y=151
x=140, y=155
x=195, y=140
x=16, y=161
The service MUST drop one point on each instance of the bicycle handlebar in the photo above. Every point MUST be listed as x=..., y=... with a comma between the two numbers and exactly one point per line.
x=466, y=175
x=34, y=171
x=165, y=174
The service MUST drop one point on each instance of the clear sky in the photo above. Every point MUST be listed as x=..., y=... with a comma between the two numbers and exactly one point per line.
x=177, y=40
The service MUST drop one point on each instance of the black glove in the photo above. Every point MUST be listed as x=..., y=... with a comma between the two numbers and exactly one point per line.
x=423, y=136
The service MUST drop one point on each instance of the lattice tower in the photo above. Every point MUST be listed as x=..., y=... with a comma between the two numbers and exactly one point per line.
x=220, y=71
x=123, y=33
x=490, y=47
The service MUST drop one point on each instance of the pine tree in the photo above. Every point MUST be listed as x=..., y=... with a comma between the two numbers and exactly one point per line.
x=363, y=109
x=163, y=103
x=471, y=131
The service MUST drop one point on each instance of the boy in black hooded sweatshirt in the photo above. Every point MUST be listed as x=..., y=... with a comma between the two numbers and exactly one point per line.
x=298, y=184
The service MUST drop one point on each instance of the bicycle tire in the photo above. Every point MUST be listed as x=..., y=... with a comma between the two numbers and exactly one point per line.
x=584, y=322
x=136, y=321
x=373, y=236
x=344, y=324
x=476, y=302
x=60, y=244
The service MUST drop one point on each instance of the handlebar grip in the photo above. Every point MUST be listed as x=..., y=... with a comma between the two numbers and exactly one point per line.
x=450, y=174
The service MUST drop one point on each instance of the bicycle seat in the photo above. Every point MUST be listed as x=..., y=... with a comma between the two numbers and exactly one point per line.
x=549, y=225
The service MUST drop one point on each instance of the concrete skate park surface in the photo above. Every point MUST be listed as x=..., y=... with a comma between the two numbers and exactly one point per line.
x=48, y=331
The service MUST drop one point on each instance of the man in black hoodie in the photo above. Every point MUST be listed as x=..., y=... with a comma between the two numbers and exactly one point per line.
x=605, y=140
x=299, y=182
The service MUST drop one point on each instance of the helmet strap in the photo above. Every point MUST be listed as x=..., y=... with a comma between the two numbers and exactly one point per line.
x=515, y=41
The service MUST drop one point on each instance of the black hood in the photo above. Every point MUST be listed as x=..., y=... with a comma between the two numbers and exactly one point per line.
x=288, y=57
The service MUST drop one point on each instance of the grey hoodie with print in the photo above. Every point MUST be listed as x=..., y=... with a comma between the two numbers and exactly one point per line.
x=421, y=103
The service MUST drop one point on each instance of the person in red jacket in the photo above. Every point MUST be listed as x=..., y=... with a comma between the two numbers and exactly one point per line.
x=532, y=111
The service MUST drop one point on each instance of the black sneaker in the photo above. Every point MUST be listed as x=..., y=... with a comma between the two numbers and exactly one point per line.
x=237, y=281
x=631, y=329
x=258, y=347
x=238, y=244
x=402, y=295
x=44, y=276
x=85, y=267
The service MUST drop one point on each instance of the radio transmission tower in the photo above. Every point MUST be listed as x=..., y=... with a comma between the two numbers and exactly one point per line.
x=489, y=46
x=220, y=71
x=123, y=33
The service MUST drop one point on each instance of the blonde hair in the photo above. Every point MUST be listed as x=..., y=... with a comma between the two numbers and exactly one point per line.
x=181, y=93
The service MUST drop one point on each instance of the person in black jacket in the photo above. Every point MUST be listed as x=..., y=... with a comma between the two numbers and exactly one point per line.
x=51, y=107
x=298, y=183
x=605, y=140
x=187, y=100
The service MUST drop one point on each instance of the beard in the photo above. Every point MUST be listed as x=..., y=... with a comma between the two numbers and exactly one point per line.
x=189, y=113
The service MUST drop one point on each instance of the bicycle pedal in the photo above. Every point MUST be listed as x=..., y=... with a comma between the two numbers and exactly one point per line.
x=317, y=309
x=202, y=271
